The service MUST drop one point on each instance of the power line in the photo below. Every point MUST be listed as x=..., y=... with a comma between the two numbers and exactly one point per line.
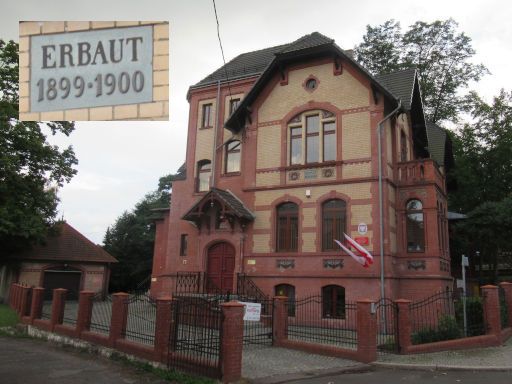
x=221, y=49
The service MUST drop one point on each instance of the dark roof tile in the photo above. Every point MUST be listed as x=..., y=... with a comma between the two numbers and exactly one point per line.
x=400, y=84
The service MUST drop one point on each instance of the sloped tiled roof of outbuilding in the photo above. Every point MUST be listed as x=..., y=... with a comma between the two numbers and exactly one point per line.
x=65, y=243
x=400, y=84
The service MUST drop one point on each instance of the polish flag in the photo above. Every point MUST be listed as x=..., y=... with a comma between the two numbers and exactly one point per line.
x=360, y=249
x=361, y=260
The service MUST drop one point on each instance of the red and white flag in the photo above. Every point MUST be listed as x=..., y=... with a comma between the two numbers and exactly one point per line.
x=359, y=249
x=361, y=260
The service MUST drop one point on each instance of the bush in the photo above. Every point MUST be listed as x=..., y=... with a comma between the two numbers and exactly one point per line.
x=475, y=315
x=447, y=329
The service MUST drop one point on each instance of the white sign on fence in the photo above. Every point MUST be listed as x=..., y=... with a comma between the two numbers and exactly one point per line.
x=252, y=311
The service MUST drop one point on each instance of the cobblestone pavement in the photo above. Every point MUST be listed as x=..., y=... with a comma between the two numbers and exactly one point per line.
x=483, y=358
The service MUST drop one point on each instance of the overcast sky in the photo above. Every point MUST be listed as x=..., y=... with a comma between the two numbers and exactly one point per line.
x=120, y=162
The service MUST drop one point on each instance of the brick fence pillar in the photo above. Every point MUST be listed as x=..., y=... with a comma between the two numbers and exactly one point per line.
x=17, y=292
x=36, y=307
x=83, y=320
x=163, y=324
x=58, y=303
x=280, y=320
x=404, y=325
x=25, y=298
x=232, y=340
x=507, y=288
x=366, y=332
x=119, y=317
x=13, y=292
x=491, y=307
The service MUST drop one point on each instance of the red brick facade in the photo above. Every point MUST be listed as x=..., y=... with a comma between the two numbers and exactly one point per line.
x=267, y=178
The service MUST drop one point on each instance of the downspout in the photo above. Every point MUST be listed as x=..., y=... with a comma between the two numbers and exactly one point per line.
x=380, y=126
x=215, y=132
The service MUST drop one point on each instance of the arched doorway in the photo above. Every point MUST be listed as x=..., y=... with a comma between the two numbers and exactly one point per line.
x=221, y=266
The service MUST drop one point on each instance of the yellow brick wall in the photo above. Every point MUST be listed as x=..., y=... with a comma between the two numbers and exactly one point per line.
x=261, y=243
x=361, y=214
x=205, y=137
x=356, y=136
x=262, y=220
x=308, y=242
x=343, y=91
x=267, y=178
x=354, y=191
x=309, y=217
x=357, y=170
x=158, y=109
x=269, y=147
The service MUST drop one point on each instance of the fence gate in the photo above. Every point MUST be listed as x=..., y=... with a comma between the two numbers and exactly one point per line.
x=387, y=326
x=194, y=337
x=259, y=332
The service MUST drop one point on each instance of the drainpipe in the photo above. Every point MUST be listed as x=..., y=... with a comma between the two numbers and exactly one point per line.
x=380, y=126
x=215, y=131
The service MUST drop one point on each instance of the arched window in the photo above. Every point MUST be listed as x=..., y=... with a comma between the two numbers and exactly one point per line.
x=312, y=137
x=204, y=172
x=403, y=146
x=232, y=160
x=288, y=291
x=333, y=302
x=287, y=227
x=415, y=226
x=333, y=223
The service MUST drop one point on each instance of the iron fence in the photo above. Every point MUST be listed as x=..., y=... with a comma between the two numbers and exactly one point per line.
x=386, y=311
x=446, y=316
x=141, y=319
x=194, y=337
x=101, y=313
x=311, y=323
x=259, y=332
x=188, y=282
x=70, y=312
x=46, y=310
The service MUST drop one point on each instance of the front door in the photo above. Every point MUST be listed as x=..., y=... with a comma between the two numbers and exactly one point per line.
x=221, y=266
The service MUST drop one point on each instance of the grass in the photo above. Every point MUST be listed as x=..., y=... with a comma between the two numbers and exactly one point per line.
x=169, y=375
x=8, y=318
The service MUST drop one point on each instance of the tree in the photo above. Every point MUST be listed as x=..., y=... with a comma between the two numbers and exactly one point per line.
x=482, y=150
x=131, y=239
x=437, y=50
x=31, y=169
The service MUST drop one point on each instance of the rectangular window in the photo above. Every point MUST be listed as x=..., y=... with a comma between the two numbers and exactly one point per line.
x=183, y=245
x=329, y=141
x=207, y=116
x=296, y=145
x=233, y=104
x=233, y=157
x=312, y=139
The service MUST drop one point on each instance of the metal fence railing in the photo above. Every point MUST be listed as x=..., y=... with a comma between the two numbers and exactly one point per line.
x=101, y=313
x=141, y=319
x=503, y=308
x=311, y=323
x=194, y=341
x=446, y=316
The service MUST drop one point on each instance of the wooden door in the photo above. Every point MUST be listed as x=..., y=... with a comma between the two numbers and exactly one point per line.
x=221, y=266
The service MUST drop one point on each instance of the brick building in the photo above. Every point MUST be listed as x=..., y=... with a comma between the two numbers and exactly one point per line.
x=282, y=158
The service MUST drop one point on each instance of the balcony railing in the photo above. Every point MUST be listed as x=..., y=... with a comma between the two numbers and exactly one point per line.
x=419, y=172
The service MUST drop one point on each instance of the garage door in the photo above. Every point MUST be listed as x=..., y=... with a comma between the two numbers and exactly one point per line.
x=69, y=279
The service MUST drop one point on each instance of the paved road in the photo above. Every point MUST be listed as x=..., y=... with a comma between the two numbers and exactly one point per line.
x=27, y=361
x=388, y=376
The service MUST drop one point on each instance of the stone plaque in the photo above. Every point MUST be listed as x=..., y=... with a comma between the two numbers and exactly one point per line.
x=310, y=174
x=91, y=68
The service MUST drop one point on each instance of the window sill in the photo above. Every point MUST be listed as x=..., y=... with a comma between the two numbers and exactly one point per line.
x=209, y=127
x=310, y=165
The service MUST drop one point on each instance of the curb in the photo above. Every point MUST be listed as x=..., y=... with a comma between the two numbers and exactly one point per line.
x=278, y=379
x=439, y=367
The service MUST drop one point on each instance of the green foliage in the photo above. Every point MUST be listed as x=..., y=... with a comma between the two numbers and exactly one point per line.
x=31, y=169
x=474, y=315
x=8, y=318
x=131, y=239
x=447, y=329
x=439, y=52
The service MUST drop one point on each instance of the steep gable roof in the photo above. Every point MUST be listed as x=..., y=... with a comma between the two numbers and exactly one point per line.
x=439, y=145
x=67, y=244
x=400, y=84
